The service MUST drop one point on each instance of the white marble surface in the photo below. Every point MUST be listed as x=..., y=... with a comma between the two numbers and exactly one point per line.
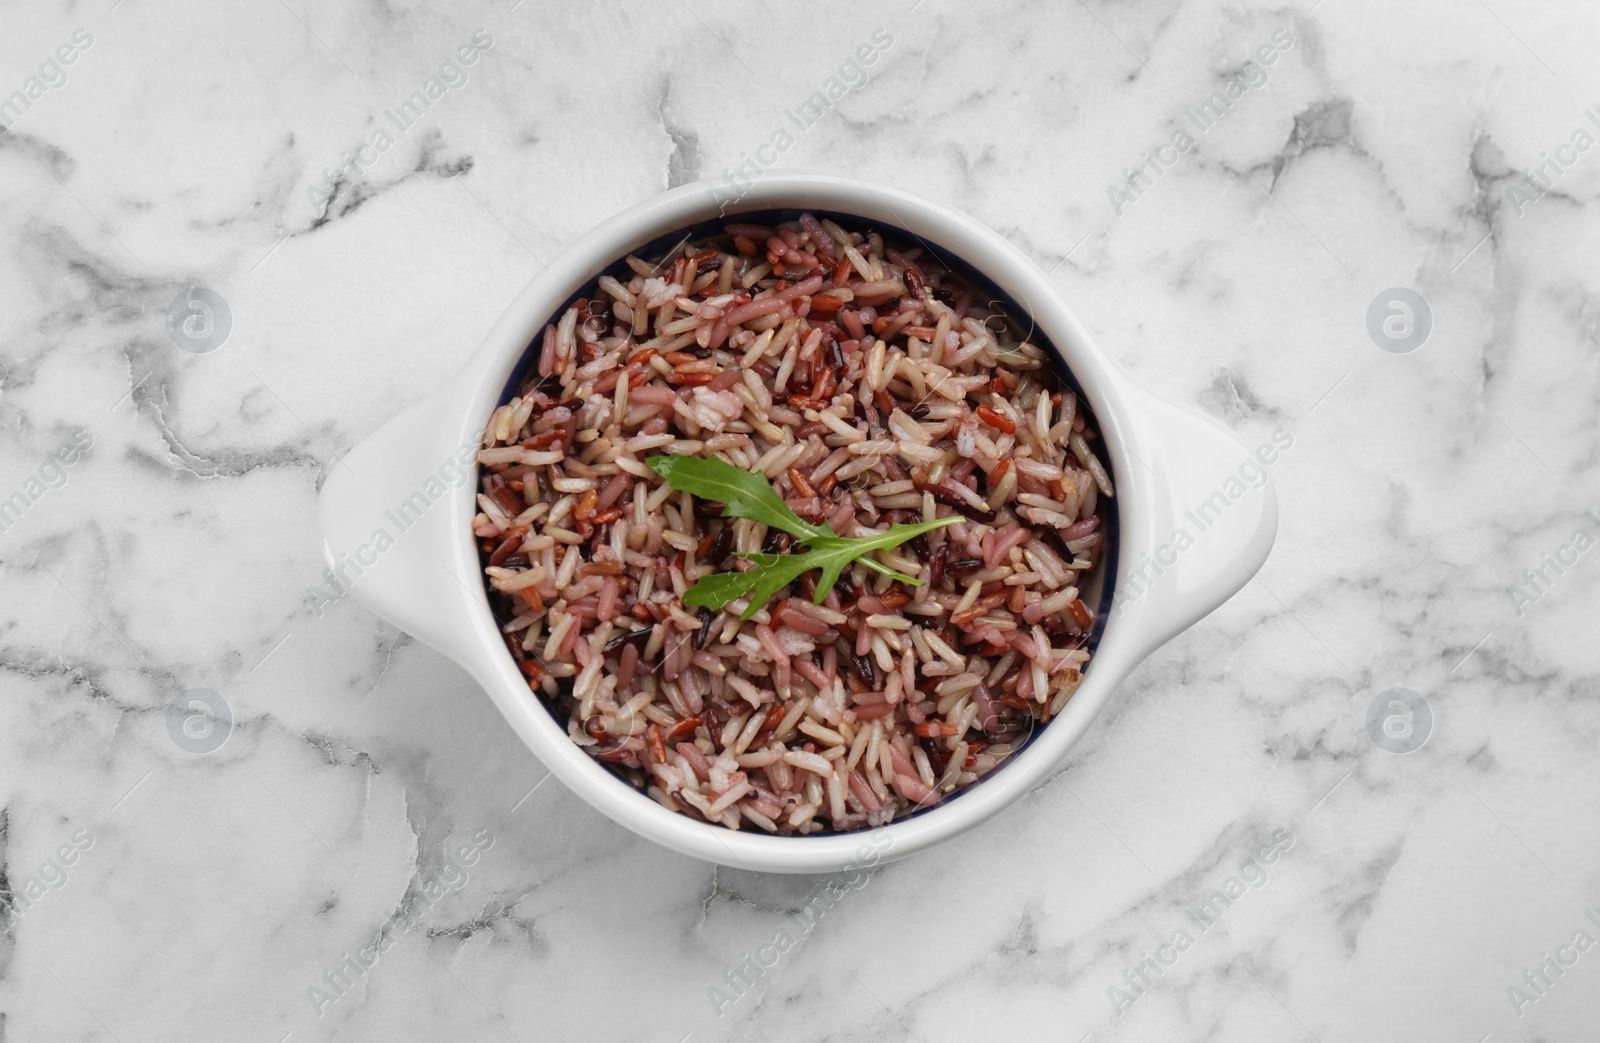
x=207, y=893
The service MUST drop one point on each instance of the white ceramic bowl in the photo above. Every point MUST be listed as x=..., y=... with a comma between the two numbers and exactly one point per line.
x=396, y=518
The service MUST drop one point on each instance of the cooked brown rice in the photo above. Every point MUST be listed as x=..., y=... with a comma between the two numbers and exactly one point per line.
x=869, y=385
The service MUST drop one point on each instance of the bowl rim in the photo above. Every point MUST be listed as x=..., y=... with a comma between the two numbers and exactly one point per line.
x=484, y=378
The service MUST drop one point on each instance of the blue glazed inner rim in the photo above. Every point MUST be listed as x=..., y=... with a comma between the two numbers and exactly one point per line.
x=994, y=295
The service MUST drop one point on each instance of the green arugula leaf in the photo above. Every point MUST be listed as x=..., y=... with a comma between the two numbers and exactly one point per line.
x=771, y=574
x=743, y=494
x=715, y=591
x=748, y=495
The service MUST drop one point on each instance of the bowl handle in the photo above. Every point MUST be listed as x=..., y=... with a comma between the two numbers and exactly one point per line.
x=387, y=510
x=1213, y=520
